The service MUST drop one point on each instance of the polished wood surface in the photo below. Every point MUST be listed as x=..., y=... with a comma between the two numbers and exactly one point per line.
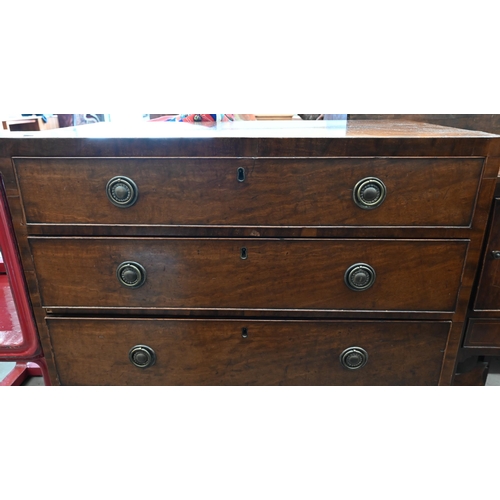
x=441, y=271
x=488, y=292
x=286, y=274
x=482, y=338
x=483, y=333
x=354, y=129
x=484, y=122
x=269, y=139
x=197, y=352
x=274, y=192
x=475, y=376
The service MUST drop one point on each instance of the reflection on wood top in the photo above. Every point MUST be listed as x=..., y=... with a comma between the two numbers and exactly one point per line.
x=255, y=129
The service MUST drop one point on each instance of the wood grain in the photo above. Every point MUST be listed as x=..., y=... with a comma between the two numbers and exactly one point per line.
x=488, y=292
x=287, y=274
x=484, y=122
x=362, y=138
x=276, y=192
x=8, y=177
x=196, y=352
x=438, y=183
x=483, y=333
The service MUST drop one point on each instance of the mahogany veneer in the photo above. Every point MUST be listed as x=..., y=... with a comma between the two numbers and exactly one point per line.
x=208, y=352
x=238, y=258
x=483, y=329
x=275, y=192
x=422, y=275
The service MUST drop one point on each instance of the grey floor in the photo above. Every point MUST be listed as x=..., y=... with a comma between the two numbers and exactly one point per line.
x=6, y=367
x=494, y=372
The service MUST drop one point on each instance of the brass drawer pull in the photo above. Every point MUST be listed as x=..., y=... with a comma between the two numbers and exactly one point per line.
x=369, y=193
x=360, y=277
x=122, y=191
x=142, y=356
x=131, y=274
x=354, y=358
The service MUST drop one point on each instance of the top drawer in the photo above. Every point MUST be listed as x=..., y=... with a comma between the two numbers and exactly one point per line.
x=250, y=192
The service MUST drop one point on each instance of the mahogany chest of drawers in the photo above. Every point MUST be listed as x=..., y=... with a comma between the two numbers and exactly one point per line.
x=181, y=256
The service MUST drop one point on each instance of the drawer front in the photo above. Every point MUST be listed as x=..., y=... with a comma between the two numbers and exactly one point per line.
x=483, y=333
x=488, y=293
x=405, y=275
x=217, y=352
x=251, y=192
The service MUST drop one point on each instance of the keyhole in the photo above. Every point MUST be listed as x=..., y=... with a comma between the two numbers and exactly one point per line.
x=244, y=253
x=241, y=174
x=244, y=333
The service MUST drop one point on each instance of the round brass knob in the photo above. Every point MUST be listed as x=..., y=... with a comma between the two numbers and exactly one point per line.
x=131, y=274
x=369, y=193
x=122, y=191
x=142, y=356
x=354, y=358
x=360, y=277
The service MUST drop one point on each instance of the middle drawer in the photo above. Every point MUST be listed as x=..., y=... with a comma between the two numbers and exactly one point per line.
x=264, y=274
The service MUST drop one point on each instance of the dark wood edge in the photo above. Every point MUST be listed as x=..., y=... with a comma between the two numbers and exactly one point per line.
x=252, y=232
x=466, y=352
x=20, y=230
x=477, y=237
x=439, y=146
x=248, y=313
x=476, y=321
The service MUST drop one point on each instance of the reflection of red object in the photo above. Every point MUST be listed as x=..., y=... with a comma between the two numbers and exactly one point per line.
x=11, y=335
x=18, y=334
x=202, y=119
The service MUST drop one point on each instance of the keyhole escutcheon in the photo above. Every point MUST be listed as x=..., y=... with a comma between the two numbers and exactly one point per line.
x=241, y=174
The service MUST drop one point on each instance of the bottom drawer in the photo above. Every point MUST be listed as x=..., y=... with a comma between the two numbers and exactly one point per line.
x=238, y=352
x=483, y=333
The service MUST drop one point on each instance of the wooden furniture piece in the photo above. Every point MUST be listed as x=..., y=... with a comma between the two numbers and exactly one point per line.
x=30, y=123
x=482, y=338
x=271, y=254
